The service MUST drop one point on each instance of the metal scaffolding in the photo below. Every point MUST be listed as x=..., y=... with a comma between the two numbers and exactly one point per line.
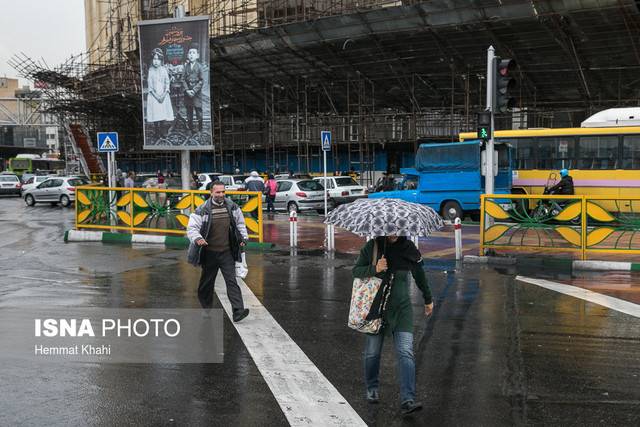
x=380, y=74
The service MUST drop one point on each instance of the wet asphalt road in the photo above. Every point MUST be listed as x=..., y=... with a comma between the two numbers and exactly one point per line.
x=496, y=351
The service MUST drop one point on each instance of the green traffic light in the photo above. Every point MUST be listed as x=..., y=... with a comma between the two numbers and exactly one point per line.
x=484, y=133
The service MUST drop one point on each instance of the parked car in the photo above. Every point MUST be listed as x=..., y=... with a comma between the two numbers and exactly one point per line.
x=10, y=183
x=342, y=189
x=26, y=175
x=33, y=182
x=205, y=178
x=299, y=195
x=54, y=190
x=231, y=182
x=280, y=176
x=170, y=183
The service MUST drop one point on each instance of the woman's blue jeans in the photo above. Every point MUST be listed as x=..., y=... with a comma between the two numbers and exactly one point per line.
x=403, y=343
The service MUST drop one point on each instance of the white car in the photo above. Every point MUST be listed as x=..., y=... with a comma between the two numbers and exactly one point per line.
x=54, y=190
x=343, y=189
x=299, y=195
x=231, y=182
x=34, y=181
x=10, y=184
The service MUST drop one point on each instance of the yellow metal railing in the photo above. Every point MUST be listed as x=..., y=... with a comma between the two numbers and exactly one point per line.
x=560, y=223
x=155, y=210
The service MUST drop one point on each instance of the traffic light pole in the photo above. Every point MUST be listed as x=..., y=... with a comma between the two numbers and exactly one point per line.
x=490, y=150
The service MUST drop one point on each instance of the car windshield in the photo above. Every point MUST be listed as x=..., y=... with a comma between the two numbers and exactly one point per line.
x=9, y=178
x=345, y=181
x=310, y=186
x=77, y=181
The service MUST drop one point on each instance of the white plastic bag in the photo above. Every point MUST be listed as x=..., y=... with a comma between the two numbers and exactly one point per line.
x=241, y=267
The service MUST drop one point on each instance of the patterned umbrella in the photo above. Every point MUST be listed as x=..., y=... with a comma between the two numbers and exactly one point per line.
x=385, y=217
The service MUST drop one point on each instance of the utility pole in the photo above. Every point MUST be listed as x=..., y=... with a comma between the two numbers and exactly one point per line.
x=490, y=149
x=185, y=158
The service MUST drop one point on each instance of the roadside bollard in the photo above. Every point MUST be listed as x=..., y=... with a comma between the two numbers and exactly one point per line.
x=331, y=242
x=293, y=229
x=457, y=227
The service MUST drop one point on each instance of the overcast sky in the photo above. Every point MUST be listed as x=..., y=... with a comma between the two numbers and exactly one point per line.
x=48, y=29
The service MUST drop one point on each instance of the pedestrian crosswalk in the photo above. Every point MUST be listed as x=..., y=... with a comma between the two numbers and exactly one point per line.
x=304, y=394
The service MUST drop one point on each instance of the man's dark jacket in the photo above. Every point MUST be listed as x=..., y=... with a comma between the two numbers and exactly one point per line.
x=565, y=186
x=200, y=224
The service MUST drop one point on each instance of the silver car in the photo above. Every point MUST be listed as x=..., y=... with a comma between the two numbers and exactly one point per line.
x=59, y=189
x=299, y=195
x=10, y=184
x=33, y=182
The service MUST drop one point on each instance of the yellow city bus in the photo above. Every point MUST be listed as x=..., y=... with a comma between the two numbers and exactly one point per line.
x=603, y=161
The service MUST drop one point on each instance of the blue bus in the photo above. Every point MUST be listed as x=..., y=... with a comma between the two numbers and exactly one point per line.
x=448, y=178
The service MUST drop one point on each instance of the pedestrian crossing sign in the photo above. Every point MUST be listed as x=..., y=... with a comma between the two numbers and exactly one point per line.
x=325, y=138
x=108, y=142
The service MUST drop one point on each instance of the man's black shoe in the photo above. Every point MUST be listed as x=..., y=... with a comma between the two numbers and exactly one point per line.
x=240, y=314
x=410, y=406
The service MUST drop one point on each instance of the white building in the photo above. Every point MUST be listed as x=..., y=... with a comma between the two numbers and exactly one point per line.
x=53, y=141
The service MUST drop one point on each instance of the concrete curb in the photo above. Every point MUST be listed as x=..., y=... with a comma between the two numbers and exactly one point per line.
x=472, y=259
x=127, y=239
x=606, y=266
x=566, y=263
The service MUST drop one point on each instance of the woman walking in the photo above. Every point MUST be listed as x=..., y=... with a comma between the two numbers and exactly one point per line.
x=396, y=257
x=270, y=188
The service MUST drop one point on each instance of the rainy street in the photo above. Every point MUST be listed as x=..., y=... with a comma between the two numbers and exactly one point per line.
x=496, y=352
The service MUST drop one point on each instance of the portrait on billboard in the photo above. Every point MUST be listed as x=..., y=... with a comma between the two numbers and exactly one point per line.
x=174, y=68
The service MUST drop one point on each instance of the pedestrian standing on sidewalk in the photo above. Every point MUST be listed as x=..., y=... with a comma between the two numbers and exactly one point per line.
x=128, y=181
x=254, y=182
x=270, y=192
x=396, y=258
x=217, y=233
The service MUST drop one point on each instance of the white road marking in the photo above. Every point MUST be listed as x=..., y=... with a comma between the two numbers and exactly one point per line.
x=36, y=279
x=305, y=396
x=587, y=295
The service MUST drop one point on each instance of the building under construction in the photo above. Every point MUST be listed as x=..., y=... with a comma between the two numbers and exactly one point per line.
x=381, y=75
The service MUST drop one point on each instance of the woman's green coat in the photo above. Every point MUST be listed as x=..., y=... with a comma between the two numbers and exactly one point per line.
x=398, y=316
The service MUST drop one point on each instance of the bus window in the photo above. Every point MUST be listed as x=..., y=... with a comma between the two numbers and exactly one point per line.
x=556, y=152
x=631, y=152
x=598, y=152
x=524, y=151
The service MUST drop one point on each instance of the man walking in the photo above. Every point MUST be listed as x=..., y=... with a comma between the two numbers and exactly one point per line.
x=217, y=232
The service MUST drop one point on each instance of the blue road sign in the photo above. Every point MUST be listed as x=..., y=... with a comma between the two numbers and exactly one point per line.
x=108, y=142
x=325, y=137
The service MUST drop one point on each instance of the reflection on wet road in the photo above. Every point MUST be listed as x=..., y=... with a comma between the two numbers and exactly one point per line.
x=496, y=351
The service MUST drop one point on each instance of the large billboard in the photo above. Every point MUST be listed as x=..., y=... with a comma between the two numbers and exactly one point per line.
x=174, y=67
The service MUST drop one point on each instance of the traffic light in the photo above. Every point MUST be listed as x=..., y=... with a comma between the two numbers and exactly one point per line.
x=484, y=125
x=505, y=84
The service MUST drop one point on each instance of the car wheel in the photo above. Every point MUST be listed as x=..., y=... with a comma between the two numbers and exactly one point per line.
x=293, y=207
x=65, y=201
x=29, y=200
x=452, y=210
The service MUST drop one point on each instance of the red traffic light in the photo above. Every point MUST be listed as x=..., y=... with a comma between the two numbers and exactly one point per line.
x=505, y=85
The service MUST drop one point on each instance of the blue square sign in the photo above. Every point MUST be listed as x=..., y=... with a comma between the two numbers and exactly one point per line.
x=325, y=138
x=108, y=142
